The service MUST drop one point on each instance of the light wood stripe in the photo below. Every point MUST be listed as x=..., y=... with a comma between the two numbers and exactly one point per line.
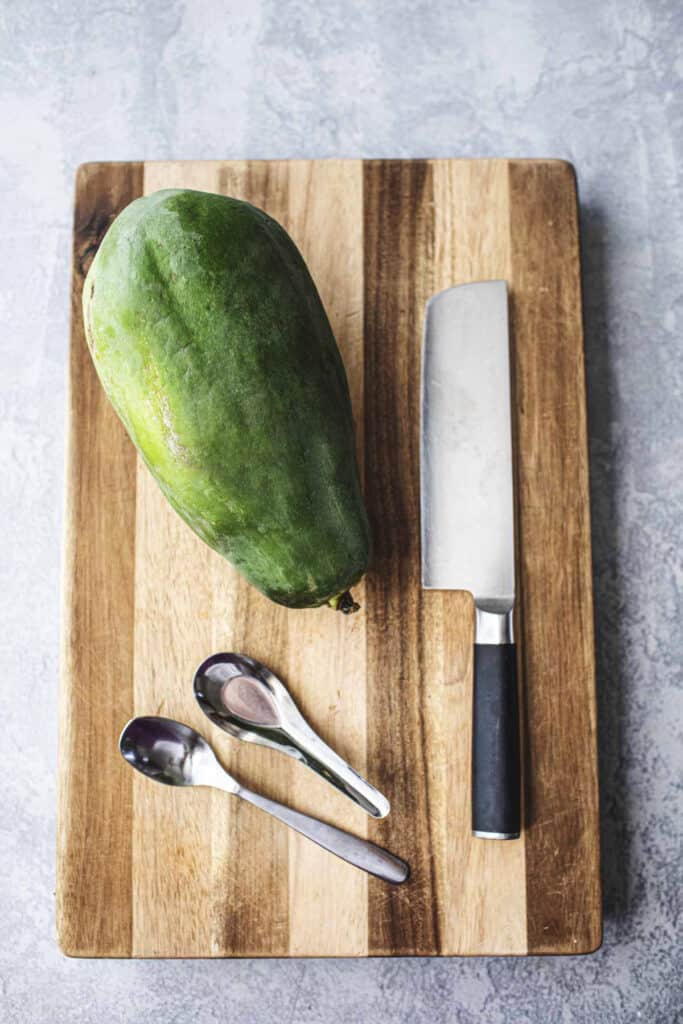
x=485, y=911
x=562, y=850
x=172, y=632
x=95, y=787
x=326, y=668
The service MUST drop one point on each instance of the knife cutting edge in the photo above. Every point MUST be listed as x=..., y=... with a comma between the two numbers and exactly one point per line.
x=468, y=521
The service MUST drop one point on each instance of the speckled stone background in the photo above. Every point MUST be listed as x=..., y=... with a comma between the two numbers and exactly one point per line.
x=598, y=83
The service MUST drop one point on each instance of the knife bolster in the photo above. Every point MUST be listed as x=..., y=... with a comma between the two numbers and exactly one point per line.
x=493, y=627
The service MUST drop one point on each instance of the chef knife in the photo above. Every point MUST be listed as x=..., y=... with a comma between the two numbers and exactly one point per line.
x=467, y=521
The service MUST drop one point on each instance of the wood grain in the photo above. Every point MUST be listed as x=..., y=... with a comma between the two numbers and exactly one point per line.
x=399, y=232
x=94, y=848
x=487, y=912
x=389, y=688
x=562, y=852
x=327, y=652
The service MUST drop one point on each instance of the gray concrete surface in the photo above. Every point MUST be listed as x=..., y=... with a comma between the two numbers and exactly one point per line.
x=597, y=83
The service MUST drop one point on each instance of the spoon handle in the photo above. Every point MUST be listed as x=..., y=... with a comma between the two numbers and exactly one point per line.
x=331, y=767
x=359, y=852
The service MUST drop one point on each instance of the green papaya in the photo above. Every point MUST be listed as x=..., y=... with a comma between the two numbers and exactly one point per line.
x=213, y=346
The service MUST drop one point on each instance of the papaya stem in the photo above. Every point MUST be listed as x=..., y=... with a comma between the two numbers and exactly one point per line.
x=344, y=603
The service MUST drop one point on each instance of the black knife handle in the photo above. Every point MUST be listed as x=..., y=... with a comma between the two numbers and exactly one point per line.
x=495, y=743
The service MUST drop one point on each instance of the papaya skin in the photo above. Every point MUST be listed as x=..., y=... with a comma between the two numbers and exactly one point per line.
x=212, y=344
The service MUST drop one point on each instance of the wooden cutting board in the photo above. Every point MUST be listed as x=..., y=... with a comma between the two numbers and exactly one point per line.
x=148, y=871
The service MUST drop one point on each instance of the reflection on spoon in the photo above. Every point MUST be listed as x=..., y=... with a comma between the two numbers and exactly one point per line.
x=248, y=699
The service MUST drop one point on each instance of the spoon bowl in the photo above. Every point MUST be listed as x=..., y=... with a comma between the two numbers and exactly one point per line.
x=170, y=752
x=245, y=699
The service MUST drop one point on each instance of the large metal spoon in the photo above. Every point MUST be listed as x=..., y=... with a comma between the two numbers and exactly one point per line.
x=247, y=700
x=176, y=755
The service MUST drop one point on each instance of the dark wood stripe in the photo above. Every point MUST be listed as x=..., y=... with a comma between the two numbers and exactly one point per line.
x=398, y=225
x=95, y=793
x=562, y=856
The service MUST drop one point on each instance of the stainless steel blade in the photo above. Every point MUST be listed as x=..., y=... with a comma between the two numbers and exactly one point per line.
x=467, y=504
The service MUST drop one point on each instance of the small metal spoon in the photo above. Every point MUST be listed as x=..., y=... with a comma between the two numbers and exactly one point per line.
x=247, y=700
x=176, y=755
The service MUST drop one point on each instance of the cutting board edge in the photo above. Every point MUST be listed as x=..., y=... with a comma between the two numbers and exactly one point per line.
x=86, y=171
x=89, y=167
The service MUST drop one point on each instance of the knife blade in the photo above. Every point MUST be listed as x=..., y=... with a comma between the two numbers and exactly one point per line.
x=468, y=521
